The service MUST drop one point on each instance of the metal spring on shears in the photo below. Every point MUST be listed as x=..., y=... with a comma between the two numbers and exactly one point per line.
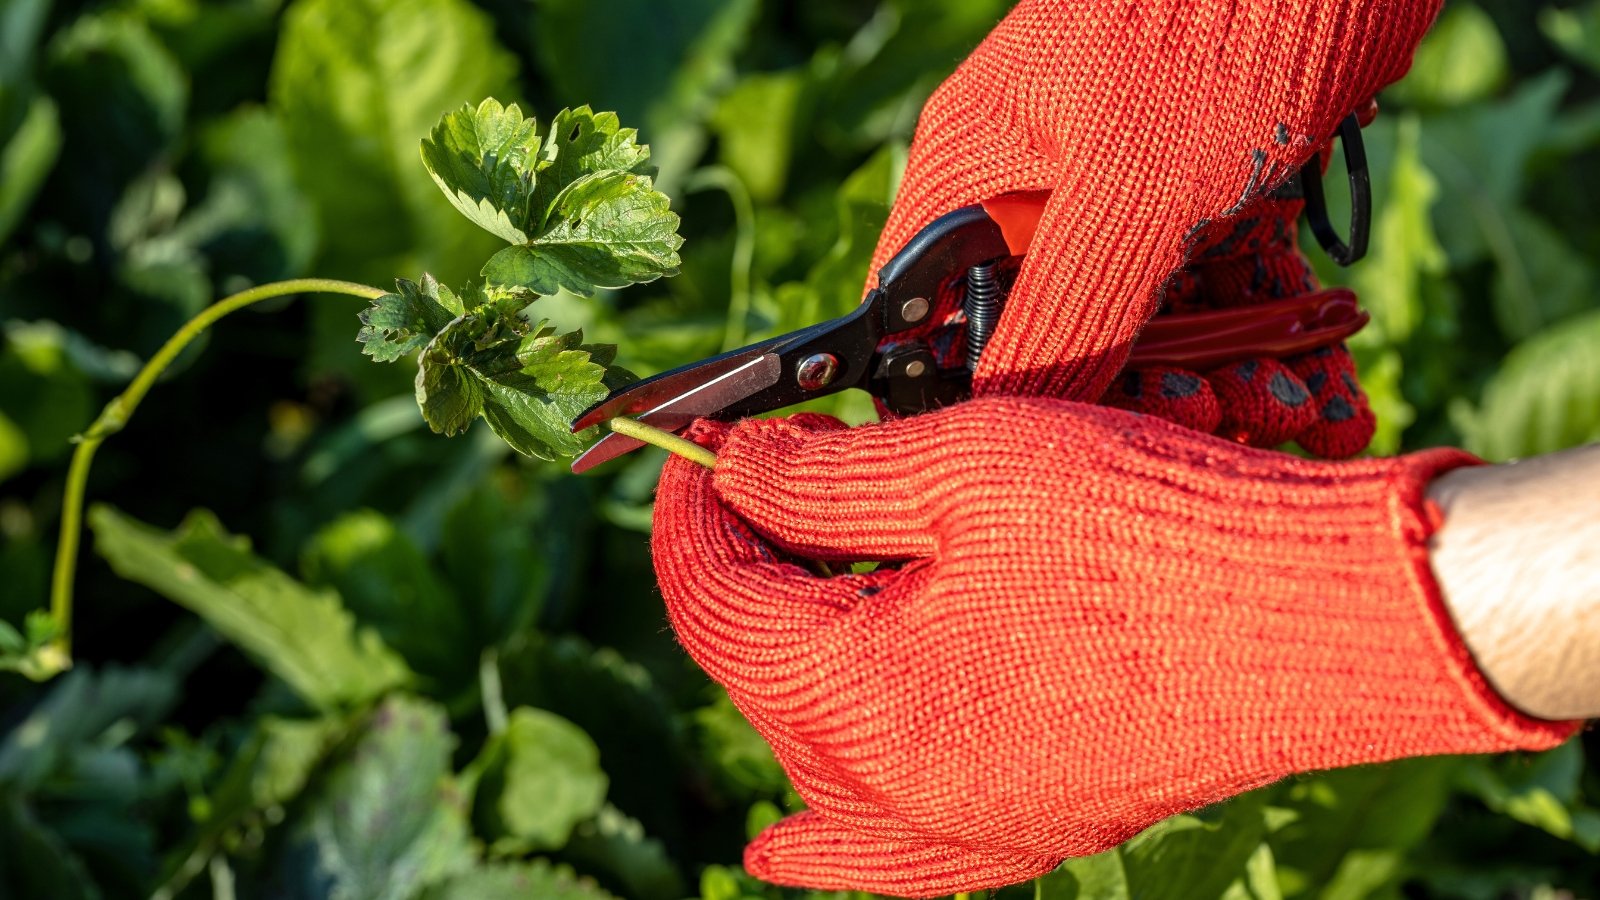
x=982, y=305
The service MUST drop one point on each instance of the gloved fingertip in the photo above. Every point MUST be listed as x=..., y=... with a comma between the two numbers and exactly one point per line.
x=1343, y=436
x=808, y=850
x=1177, y=395
x=1263, y=402
x=1345, y=423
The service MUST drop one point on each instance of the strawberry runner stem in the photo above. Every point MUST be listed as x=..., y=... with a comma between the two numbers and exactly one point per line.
x=666, y=440
x=56, y=656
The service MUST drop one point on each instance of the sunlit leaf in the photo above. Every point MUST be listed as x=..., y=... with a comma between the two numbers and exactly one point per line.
x=606, y=230
x=582, y=142
x=1353, y=827
x=483, y=159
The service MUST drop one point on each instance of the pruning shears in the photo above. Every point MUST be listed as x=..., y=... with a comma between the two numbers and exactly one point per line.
x=881, y=346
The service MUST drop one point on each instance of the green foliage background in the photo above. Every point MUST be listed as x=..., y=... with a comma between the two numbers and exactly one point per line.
x=438, y=670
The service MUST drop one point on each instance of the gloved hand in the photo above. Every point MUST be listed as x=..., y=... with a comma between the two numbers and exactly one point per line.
x=1148, y=122
x=1102, y=619
x=1105, y=619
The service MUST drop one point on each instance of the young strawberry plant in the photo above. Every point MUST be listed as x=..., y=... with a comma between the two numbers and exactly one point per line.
x=580, y=213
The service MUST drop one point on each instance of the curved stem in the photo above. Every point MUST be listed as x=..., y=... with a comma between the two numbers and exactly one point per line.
x=57, y=656
x=666, y=440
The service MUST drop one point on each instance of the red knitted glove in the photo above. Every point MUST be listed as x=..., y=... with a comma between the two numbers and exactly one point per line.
x=1148, y=121
x=1312, y=398
x=1102, y=619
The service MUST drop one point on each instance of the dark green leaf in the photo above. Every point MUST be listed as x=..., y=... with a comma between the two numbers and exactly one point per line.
x=606, y=230
x=449, y=397
x=483, y=159
x=617, y=703
x=115, y=86
x=407, y=319
x=739, y=760
x=1540, y=279
x=389, y=821
x=1480, y=155
x=615, y=847
x=254, y=224
x=21, y=23
x=37, y=863
x=303, y=636
x=268, y=771
x=80, y=708
x=894, y=61
x=1543, y=791
x=526, y=380
x=539, y=778
x=517, y=881
x=1197, y=856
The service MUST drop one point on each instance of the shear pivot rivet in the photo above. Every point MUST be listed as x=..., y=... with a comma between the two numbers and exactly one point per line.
x=816, y=371
x=915, y=309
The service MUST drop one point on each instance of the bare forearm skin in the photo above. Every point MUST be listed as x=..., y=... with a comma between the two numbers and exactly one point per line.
x=1518, y=562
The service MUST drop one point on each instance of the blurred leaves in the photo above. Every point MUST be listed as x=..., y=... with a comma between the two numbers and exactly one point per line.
x=1543, y=790
x=671, y=80
x=516, y=882
x=389, y=820
x=538, y=779
x=1545, y=397
x=304, y=636
x=358, y=83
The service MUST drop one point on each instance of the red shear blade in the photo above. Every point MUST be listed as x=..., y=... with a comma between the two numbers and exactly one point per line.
x=673, y=400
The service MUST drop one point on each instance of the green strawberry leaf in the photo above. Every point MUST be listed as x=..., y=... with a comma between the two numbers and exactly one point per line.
x=398, y=323
x=483, y=159
x=526, y=380
x=606, y=230
x=582, y=141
